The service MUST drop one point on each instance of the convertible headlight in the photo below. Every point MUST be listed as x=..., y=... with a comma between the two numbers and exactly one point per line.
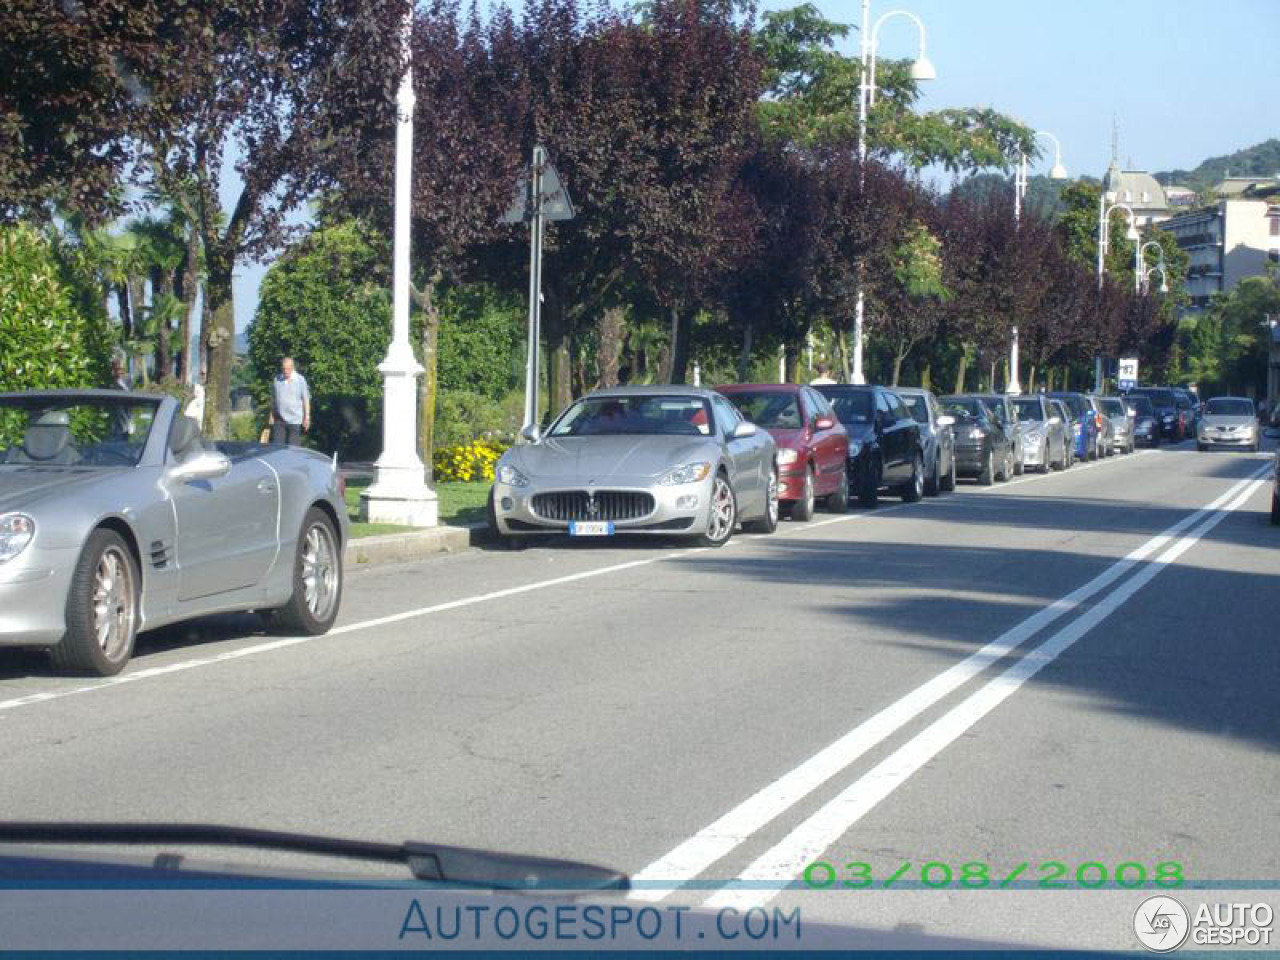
x=511, y=476
x=787, y=456
x=687, y=473
x=16, y=531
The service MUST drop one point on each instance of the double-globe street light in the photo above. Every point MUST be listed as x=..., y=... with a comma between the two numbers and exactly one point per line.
x=1056, y=172
x=1142, y=273
x=921, y=69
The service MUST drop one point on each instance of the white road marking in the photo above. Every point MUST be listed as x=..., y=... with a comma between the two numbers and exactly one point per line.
x=770, y=873
x=690, y=858
x=148, y=673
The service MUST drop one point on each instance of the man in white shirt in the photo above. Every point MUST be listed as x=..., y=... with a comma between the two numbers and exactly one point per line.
x=823, y=377
x=290, y=405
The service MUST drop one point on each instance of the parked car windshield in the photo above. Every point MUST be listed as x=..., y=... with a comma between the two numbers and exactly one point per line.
x=632, y=414
x=75, y=431
x=850, y=406
x=918, y=406
x=1113, y=407
x=1159, y=397
x=1141, y=405
x=1028, y=408
x=1229, y=407
x=967, y=407
x=771, y=409
x=1077, y=404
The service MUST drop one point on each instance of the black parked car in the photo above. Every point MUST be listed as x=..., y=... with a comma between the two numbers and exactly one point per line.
x=1145, y=429
x=984, y=445
x=885, y=449
x=938, y=439
x=1171, y=420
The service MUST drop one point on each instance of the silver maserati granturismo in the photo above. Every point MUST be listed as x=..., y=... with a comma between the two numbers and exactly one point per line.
x=115, y=517
x=669, y=460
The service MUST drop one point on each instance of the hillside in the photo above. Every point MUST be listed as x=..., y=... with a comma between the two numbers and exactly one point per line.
x=1260, y=160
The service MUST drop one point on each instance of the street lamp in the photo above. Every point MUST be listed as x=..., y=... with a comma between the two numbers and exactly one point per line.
x=1056, y=172
x=1142, y=275
x=1106, y=207
x=399, y=493
x=921, y=69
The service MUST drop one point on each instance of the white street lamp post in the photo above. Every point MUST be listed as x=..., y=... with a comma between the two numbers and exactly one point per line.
x=1056, y=172
x=1142, y=275
x=921, y=69
x=1106, y=207
x=399, y=493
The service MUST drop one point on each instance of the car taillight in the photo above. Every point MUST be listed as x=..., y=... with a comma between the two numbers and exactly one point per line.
x=1097, y=420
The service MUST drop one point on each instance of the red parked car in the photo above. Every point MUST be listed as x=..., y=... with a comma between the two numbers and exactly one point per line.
x=813, y=448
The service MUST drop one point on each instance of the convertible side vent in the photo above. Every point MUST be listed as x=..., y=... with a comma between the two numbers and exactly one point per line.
x=161, y=554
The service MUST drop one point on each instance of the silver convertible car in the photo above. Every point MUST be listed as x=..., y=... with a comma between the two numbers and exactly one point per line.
x=666, y=460
x=115, y=517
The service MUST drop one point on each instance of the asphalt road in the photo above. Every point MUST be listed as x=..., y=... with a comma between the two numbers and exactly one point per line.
x=1070, y=667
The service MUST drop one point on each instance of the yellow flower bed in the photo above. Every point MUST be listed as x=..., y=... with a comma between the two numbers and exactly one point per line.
x=467, y=462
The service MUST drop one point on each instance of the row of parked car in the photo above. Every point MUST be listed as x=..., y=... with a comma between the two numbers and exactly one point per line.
x=696, y=462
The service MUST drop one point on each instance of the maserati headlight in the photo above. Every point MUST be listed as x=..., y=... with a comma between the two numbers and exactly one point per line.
x=511, y=476
x=686, y=473
x=16, y=531
x=787, y=456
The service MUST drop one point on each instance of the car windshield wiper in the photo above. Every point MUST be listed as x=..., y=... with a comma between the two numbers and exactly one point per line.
x=436, y=863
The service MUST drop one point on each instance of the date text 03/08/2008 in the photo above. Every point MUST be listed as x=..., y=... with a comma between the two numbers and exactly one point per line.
x=977, y=874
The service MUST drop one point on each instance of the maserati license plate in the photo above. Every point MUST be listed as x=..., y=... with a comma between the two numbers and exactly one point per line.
x=591, y=528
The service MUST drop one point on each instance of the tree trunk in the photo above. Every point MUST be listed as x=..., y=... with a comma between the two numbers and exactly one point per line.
x=678, y=349
x=898, y=356
x=791, y=351
x=188, y=281
x=744, y=355
x=926, y=375
x=846, y=362
x=1031, y=379
x=161, y=299
x=610, y=348
x=429, y=383
x=218, y=336
x=961, y=370
x=126, y=316
x=991, y=384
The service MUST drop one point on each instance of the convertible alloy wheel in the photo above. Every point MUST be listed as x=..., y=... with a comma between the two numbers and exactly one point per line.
x=320, y=571
x=102, y=608
x=723, y=516
x=317, y=579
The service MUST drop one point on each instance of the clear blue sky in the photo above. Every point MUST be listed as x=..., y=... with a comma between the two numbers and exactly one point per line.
x=1186, y=80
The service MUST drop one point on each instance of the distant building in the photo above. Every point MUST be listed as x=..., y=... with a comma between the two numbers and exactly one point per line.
x=1139, y=191
x=1177, y=196
x=1230, y=187
x=1226, y=242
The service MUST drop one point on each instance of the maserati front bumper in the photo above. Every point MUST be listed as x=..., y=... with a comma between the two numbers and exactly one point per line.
x=640, y=505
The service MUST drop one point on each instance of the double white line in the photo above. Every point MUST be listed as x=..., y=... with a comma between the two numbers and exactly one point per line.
x=780, y=865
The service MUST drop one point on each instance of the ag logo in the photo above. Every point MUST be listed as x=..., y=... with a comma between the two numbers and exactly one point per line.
x=1161, y=924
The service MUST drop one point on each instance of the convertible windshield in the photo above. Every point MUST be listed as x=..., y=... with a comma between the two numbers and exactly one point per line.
x=632, y=414
x=1229, y=407
x=771, y=409
x=850, y=406
x=1028, y=408
x=75, y=431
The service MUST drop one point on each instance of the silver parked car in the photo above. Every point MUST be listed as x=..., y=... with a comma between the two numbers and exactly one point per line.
x=669, y=460
x=1044, y=433
x=1228, y=422
x=937, y=437
x=1275, y=491
x=115, y=518
x=1106, y=438
x=1122, y=423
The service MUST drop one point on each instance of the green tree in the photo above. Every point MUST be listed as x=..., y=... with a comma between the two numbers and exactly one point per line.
x=53, y=327
x=325, y=303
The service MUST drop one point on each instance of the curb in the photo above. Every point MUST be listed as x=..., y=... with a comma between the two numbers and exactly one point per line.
x=401, y=547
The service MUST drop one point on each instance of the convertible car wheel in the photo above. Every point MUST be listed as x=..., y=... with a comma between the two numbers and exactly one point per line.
x=724, y=514
x=769, y=522
x=102, y=608
x=317, y=578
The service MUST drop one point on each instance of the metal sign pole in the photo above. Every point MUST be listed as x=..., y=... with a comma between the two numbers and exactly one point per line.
x=535, y=291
